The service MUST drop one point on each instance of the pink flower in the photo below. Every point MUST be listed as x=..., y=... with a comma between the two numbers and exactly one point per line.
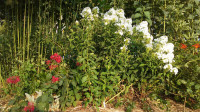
x=13, y=80
x=48, y=62
x=56, y=57
x=54, y=79
x=52, y=67
x=30, y=107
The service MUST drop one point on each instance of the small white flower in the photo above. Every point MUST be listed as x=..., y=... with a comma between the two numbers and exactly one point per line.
x=86, y=12
x=30, y=98
x=124, y=48
x=174, y=70
x=39, y=93
x=119, y=32
x=95, y=10
x=168, y=66
x=120, y=13
x=142, y=27
x=127, y=40
x=161, y=40
x=77, y=22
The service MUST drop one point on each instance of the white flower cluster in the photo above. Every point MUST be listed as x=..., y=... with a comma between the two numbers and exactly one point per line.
x=90, y=14
x=165, y=53
x=127, y=41
x=32, y=98
x=119, y=19
x=125, y=24
x=148, y=38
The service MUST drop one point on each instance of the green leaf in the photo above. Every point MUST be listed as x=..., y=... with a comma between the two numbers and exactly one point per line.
x=44, y=98
x=60, y=82
x=137, y=15
x=95, y=77
x=139, y=9
x=78, y=96
x=189, y=90
x=41, y=106
x=54, y=87
x=74, y=83
x=147, y=14
x=141, y=65
x=84, y=79
x=49, y=76
x=11, y=102
x=183, y=82
x=197, y=2
x=197, y=86
x=87, y=95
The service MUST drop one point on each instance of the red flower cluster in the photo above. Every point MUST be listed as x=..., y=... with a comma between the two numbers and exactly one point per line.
x=78, y=64
x=30, y=107
x=13, y=79
x=56, y=57
x=52, y=67
x=54, y=79
x=183, y=46
x=48, y=62
x=196, y=45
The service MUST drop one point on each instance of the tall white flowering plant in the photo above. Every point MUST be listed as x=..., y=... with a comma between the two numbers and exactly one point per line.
x=106, y=50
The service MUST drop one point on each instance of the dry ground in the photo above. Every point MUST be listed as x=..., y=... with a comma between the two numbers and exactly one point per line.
x=173, y=107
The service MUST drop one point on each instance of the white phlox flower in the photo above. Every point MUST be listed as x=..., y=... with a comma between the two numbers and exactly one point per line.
x=161, y=40
x=165, y=53
x=77, y=22
x=87, y=12
x=148, y=38
x=119, y=32
x=120, y=13
x=95, y=10
x=124, y=48
x=127, y=40
x=174, y=70
x=168, y=66
x=142, y=27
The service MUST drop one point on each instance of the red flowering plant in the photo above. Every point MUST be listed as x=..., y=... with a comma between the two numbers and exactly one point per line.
x=55, y=59
x=54, y=79
x=13, y=84
x=30, y=107
x=13, y=80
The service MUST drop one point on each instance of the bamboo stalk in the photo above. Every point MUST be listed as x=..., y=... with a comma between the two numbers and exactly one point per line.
x=24, y=33
x=14, y=37
x=52, y=28
x=164, y=18
x=1, y=79
x=28, y=32
x=39, y=16
x=18, y=31
x=31, y=26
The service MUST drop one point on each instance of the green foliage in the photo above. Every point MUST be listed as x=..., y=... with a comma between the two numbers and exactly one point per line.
x=187, y=83
x=94, y=68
